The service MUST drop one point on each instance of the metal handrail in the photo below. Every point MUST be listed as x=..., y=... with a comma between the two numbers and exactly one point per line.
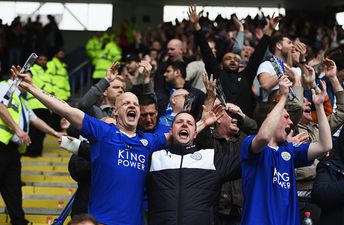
x=80, y=78
x=65, y=212
x=76, y=69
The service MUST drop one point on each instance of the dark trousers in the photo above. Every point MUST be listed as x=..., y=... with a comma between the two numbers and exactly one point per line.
x=228, y=219
x=55, y=121
x=37, y=136
x=10, y=182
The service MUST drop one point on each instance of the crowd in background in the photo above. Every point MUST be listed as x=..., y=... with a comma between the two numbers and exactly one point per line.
x=18, y=40
x=171, y=68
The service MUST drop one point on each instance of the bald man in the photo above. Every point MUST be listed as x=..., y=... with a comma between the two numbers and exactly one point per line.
x=177, y=101
x=174, y=54
x=119, y=155
x=175, y=50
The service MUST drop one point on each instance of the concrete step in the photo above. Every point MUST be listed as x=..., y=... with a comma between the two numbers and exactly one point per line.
x=44, y=168
x=34, y=219
x=38, y=163
x=51, y=184
x=45, y=173
x=48, y=185
x=55, y=204
x=42, y=178
x=48, y=190
x=46, y=159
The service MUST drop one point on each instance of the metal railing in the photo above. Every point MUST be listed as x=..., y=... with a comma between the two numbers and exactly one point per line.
x=80, y=79
x=65, y=213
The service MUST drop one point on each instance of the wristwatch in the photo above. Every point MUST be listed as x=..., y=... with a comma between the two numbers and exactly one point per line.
x=303, y=61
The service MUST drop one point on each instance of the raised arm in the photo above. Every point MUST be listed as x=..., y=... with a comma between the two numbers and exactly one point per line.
x=252, y=66
x=146, y=88
x=295, y=105
x=336, y=119
x=209, y=116
x=331, y=74
x=239, y=39
x=272, y=121
x=245, y=123
x=73, y=115
x=209, y=84
x=211, y=64
x=91, y=97
x=324, y=144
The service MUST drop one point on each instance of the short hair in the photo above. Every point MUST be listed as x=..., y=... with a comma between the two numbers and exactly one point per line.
x=261, y=111
x=338, y=60
x=181, y=113
x=81, y=218
x=145, y=100
x=179, y=65
x=274, y=40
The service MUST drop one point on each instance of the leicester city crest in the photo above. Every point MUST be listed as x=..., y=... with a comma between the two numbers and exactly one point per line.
x=196, y=156
x=144, y=142
x=286, y=156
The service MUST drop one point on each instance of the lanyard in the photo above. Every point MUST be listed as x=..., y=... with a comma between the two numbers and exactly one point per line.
x=23, y=114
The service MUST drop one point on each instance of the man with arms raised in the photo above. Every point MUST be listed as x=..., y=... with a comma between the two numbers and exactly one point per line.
x=268, y=162
x=119, y=155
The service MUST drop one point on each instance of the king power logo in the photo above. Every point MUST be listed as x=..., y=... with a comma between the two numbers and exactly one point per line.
x=281, y=179
x=131, y=159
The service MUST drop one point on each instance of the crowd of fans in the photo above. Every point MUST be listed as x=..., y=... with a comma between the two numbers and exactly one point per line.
x=267, y=96
x=18, y=40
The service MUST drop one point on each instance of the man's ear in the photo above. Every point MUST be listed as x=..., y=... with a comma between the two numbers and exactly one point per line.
x=173, y=101
x=195, y=135
x=279, y=46
x=177, y=73
x=105, y=93
x=114, y=112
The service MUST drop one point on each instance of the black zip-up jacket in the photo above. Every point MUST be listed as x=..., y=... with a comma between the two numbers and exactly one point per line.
x=236, y=86
x=328, y=186
x=183, y=184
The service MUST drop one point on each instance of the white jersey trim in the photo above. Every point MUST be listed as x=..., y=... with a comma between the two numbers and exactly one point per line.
x=164, y=160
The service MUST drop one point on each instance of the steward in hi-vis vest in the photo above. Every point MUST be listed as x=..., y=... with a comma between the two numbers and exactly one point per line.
x=59, y=76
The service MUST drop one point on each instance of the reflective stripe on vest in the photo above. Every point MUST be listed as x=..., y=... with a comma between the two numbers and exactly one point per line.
x=14, y=110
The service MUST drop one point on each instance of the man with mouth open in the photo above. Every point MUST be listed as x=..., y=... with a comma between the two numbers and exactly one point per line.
x=184, y=182
x=119, y=154
x=268, y=162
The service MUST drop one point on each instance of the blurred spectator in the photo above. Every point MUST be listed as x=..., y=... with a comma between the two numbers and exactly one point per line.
x=53, y=39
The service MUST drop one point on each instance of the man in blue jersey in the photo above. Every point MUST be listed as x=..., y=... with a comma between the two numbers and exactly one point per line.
x=119, y=155
x=268, y=163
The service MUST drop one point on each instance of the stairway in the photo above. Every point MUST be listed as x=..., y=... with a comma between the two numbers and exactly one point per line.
x=47, y=185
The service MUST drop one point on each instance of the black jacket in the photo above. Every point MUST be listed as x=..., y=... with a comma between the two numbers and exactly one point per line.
x=163, y=97
x=79, y=168
x=236, y=86
x=328, y=187
x=183, y=184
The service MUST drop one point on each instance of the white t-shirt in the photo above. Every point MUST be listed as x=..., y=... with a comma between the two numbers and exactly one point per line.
x=267, y=67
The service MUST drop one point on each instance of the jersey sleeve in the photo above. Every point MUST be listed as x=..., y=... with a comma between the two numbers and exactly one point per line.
x=156, y=142
x=94, y=129
x=245, y=149
x=301, y=155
